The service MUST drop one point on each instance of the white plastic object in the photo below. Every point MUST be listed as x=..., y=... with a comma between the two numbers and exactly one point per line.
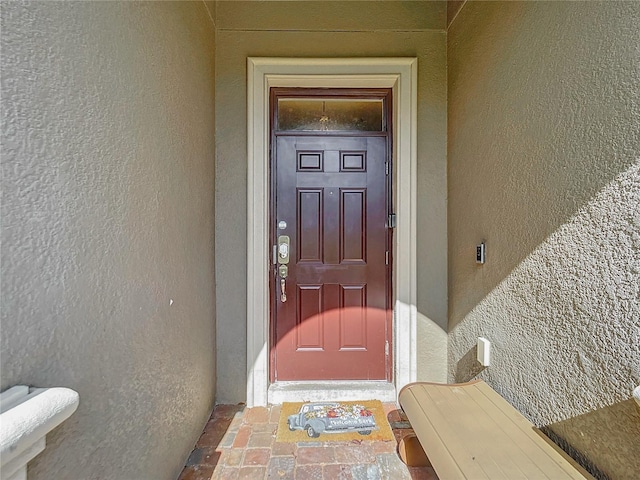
x=26, y=416
x=484, y=351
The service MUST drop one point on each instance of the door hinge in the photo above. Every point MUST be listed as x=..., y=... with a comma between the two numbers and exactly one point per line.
x=386, y=348
x=386, y=257
x=386, y=168
x=391, y=220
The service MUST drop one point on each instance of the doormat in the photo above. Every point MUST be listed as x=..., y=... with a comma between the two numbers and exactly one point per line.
x=333, y=422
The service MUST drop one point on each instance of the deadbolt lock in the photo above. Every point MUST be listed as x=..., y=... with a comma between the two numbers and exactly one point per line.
x=283, y=249
x=283, y=271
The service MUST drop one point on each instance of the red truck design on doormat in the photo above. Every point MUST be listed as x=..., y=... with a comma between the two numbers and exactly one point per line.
x=332, y=417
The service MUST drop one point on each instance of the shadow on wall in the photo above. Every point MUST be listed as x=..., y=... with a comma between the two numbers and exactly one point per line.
x=613, y=431
x=533, y=136
x=468, y=366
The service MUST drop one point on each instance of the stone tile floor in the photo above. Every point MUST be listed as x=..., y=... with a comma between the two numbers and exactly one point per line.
x=239, y=443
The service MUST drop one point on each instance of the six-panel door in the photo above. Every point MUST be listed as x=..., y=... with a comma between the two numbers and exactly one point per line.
x=331, y=195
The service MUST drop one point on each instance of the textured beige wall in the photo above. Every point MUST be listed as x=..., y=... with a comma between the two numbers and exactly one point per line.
x=332, y=15
x=107, y=216
x=244, y=31
x=544, y=164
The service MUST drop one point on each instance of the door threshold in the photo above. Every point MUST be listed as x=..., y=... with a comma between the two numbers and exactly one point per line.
x=332, y=390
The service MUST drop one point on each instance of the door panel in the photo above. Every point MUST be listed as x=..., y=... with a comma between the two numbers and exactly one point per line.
x=309, y=331
x=353, y=322
x=309, y=225
x=331, y=192
x=353, y=226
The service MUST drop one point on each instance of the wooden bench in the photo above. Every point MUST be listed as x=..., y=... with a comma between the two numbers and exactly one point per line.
x=469, y=431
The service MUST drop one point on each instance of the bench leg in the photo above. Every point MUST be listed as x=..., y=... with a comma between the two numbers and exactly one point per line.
x=411, y=452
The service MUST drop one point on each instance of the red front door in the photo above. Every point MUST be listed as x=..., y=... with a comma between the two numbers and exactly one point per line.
x=331, y=201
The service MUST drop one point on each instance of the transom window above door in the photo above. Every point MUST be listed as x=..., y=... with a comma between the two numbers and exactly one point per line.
x=344, y=111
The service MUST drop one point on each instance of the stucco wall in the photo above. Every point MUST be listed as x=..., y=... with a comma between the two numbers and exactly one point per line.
x=327, y=29
x=544, y=164
x=108, y=226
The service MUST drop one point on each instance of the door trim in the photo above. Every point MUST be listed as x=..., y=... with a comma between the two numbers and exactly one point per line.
x=399, y=74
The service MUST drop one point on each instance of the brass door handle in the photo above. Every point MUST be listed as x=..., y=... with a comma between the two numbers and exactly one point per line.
x=283, y=295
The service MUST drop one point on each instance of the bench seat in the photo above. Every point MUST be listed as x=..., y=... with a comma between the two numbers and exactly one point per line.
x=469, y=431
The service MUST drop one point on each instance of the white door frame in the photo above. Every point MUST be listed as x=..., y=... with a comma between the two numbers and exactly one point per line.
x=399, y=74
